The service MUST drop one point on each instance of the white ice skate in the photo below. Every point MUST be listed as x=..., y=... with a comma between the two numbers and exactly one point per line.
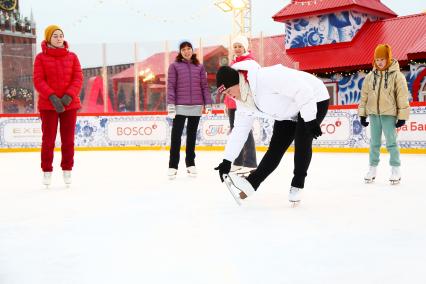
x=244, y=171
x=172, y=173
x=192, y=171
x=238, y=187
x=235, y=168
x=67, y=178
x=371, y=175
x=47, y=179
x=294, y=196
x=395, y=177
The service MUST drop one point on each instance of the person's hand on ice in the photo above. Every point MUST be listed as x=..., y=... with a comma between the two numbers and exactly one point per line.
x=223, y=168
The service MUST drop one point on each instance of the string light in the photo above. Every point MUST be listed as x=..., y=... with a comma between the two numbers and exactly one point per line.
x=415, y=62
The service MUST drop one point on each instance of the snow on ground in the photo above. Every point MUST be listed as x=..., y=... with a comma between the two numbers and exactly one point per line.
x=122, y=221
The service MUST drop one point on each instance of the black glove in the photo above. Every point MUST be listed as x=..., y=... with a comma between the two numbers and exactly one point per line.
x=400, y=123
x=364, y=121
x=66, y=100
x=314, y=128
x=57, y=103
x=223, y=168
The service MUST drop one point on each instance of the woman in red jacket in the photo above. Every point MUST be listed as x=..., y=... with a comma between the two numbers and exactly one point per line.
x=58, y=79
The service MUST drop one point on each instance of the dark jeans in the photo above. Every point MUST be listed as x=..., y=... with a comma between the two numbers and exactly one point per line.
x=191, y=135
x=247, y=157
x=283, y=135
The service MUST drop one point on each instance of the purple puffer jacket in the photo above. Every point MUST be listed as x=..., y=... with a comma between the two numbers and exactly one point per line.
x=187, y=84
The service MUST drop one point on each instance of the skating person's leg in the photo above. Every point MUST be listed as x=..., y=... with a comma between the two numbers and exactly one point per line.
x=247, y=156
x=282, y=137
x=191, y=137
x=67, y=121
x=376, y=139
x=389, y=130
x=303, y=146
x=238, y=162
x=177, y=129
x=49, y=126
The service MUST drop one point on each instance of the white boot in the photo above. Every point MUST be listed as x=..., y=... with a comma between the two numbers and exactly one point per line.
x=192, y=171
x=371, y=175
x=47, y=178
x=242, y=184
x=395, y=177
x=294, y=194
x=67, y=177
x=172, y=173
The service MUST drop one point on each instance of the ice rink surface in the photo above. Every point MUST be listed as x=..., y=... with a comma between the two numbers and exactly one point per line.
x=123, y=221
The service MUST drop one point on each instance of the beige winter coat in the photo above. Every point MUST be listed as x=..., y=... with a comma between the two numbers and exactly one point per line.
x=385, y=93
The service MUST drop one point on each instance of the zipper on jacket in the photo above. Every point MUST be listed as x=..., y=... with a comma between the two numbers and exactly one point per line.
x=378, y=93
x=190, y=81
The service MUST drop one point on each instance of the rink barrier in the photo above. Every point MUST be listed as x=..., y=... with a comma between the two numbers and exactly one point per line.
x=151, y=131
x=212, y=148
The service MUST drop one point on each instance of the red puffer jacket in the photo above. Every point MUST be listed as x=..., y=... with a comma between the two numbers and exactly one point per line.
x=57, y=71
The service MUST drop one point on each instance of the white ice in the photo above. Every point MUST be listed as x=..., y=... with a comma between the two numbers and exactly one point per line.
x=122, y=221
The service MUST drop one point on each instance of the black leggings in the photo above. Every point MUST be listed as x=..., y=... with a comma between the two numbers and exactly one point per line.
x=283, y=135
x=191, y=135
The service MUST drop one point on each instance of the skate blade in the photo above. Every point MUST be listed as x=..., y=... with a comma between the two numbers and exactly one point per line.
x=192, y=175
x=395, y=182
x=369, y=180
x=172, y=177
x=229, y=185
x=294, y=204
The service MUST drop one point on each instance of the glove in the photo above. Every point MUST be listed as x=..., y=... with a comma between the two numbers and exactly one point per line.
x=314, y=128
x=57, y=103
x=364, y=121
x=223, y=168
x=400, y=123
x=208, y=109
x=171, y=111
x=66, y=100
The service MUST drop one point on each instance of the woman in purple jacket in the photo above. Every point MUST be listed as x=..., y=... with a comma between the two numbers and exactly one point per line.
x=187, y=94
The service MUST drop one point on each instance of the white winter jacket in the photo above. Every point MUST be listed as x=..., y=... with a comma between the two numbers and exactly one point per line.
x=280, y=93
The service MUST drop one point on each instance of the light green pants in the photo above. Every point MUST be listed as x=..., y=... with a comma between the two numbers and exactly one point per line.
x=385, y=124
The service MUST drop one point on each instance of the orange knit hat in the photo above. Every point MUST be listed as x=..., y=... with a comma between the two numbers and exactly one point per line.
x=50, y=30
x=383, y=51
